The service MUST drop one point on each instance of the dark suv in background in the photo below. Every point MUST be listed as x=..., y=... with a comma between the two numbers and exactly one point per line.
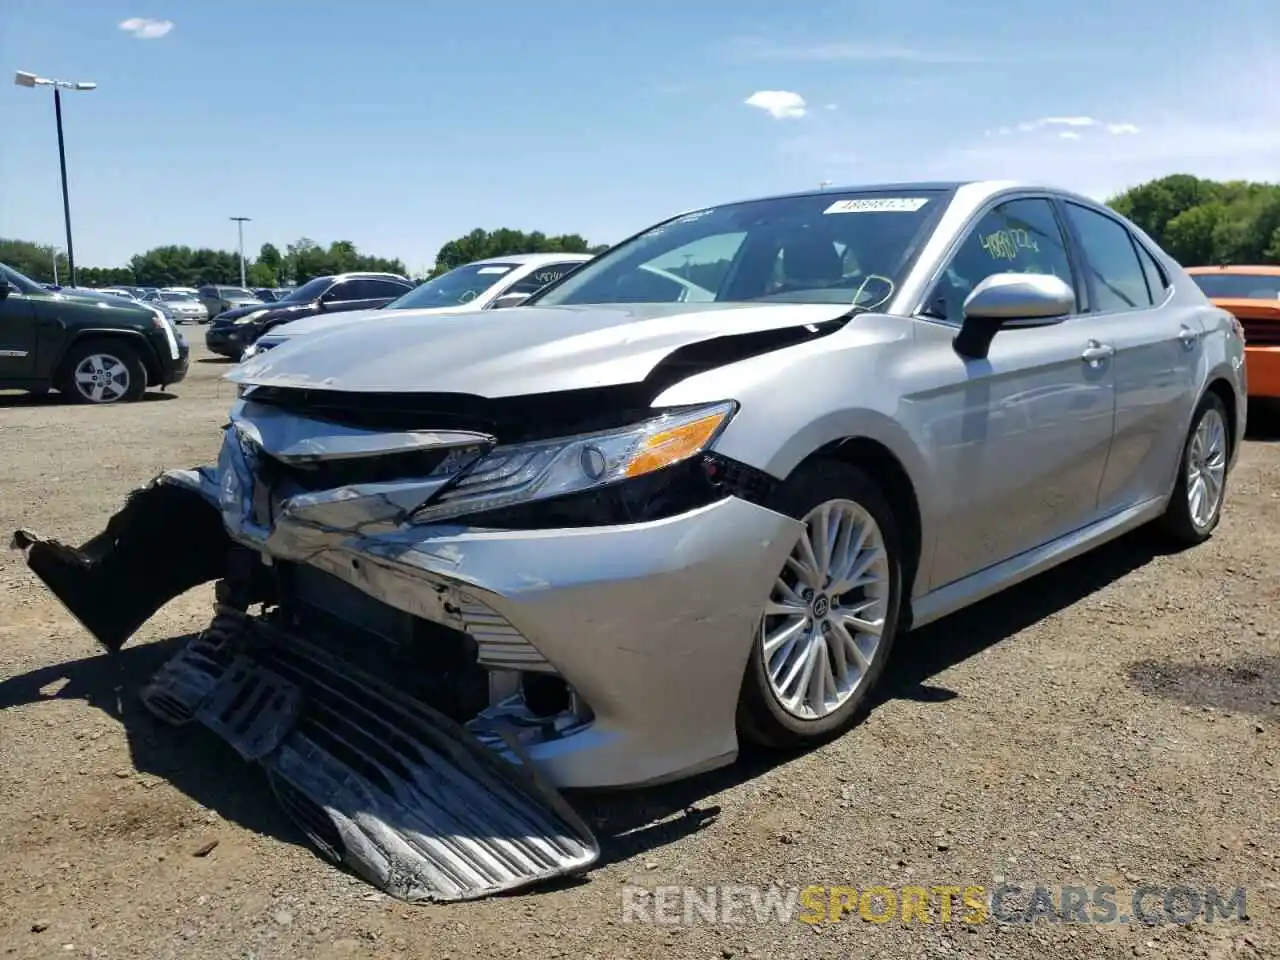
x=92, y=348
x=231, y=332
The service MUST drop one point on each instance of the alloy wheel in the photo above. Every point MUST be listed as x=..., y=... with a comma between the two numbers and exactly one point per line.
x=102, y=378
x=1206, y=468
x=825, y=616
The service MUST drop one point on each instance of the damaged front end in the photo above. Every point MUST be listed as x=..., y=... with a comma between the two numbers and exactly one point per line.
x=417, y=651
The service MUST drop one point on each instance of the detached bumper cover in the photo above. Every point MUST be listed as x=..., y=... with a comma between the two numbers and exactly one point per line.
x=380, y=783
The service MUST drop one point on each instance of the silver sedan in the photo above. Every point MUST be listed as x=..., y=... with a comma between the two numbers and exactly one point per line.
x=616, y=531
x=184, y=307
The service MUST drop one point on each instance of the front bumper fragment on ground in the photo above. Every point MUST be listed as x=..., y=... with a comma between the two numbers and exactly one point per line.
x=380, y=783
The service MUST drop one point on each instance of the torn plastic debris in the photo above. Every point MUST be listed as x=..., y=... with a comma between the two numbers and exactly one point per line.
x=382, y=783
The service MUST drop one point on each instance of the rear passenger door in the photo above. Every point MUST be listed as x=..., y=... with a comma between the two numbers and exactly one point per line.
x=1156, y=348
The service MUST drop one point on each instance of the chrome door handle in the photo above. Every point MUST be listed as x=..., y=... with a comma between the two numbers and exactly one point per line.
x=1189, y=337
x=1096, y=353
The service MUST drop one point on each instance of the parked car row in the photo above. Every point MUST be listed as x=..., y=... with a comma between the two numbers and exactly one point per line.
x=242, y=321
x=482, y=285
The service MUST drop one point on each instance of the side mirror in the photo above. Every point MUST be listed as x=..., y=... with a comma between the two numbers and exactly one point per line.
x=5, y=289
x=1009, y=300
x=508, y=300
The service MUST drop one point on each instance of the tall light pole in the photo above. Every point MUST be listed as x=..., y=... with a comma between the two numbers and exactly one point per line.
x=240, y=222
x=24, y=79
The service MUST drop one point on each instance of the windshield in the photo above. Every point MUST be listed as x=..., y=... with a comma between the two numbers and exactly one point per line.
x=1239, y=286
x=236, y=293
x=23, y=283
x=174, y=297
x=311, y=290
x=837, y=248
x=458, y=286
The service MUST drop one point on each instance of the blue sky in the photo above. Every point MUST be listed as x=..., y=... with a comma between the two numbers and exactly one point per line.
x=401, y=125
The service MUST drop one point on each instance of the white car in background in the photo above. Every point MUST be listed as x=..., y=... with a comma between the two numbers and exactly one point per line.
x=480, y=285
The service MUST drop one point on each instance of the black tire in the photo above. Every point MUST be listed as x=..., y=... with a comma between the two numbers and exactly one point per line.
x=118, y=350
x=761, y=718
x=1177, y=523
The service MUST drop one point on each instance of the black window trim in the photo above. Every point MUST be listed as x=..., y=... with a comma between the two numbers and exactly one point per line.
x=1095, y=309
x=1084, y=294
x=1165, y=277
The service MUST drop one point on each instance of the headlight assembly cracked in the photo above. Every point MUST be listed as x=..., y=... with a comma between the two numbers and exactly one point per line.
x=536, y=471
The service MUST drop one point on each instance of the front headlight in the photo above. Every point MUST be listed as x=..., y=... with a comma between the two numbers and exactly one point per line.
x=552, y=468
x=248, y=317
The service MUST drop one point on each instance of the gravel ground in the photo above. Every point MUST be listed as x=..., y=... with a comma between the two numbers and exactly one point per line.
x=1112, y=722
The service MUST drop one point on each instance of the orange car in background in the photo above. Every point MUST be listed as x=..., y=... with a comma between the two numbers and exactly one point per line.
x=1253, y=295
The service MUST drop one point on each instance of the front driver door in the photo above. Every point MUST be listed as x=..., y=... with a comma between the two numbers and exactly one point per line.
x=1019, y=440
x=17, y=334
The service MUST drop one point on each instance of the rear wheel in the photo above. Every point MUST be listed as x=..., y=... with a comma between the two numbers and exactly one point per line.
x=1196, y=505
x=831, y=616
x=102, y=372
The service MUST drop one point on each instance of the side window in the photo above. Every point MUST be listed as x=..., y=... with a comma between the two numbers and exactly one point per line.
x=1157, y=282
x=372, y=289
x=1113, y=263
x=1018, y=236
x=341, y=291
x=541, y=277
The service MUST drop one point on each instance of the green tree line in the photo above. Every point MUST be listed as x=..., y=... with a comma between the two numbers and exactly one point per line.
x=1207, y=222
x=176, y=265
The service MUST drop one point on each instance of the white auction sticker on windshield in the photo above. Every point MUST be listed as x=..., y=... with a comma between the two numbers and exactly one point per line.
x=878, y=205
x=493, y=270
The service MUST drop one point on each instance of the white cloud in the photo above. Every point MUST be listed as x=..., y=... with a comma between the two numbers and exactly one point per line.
x=757, y=48
x=779, y=104
x=144, y=28
x=1218, y=122
x=1068, y=135
x=1043, y=122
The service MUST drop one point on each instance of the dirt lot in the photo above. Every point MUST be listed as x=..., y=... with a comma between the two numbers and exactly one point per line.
x=1112, y=722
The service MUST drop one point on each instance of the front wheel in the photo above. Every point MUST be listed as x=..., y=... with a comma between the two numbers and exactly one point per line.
x=102, y=372
x=831, y=616
x=1196, y=505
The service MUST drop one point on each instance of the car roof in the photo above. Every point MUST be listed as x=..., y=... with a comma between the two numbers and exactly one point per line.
x=1238, y=269
x=978, y=190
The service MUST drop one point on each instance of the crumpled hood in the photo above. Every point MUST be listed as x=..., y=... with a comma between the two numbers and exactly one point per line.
x=506, y=353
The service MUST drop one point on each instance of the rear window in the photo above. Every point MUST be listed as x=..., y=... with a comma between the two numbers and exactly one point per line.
x=1239, y=286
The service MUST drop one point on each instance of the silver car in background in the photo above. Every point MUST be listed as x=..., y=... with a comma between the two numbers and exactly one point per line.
x=218, y=299
x=185, y=307
x=615, y=532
